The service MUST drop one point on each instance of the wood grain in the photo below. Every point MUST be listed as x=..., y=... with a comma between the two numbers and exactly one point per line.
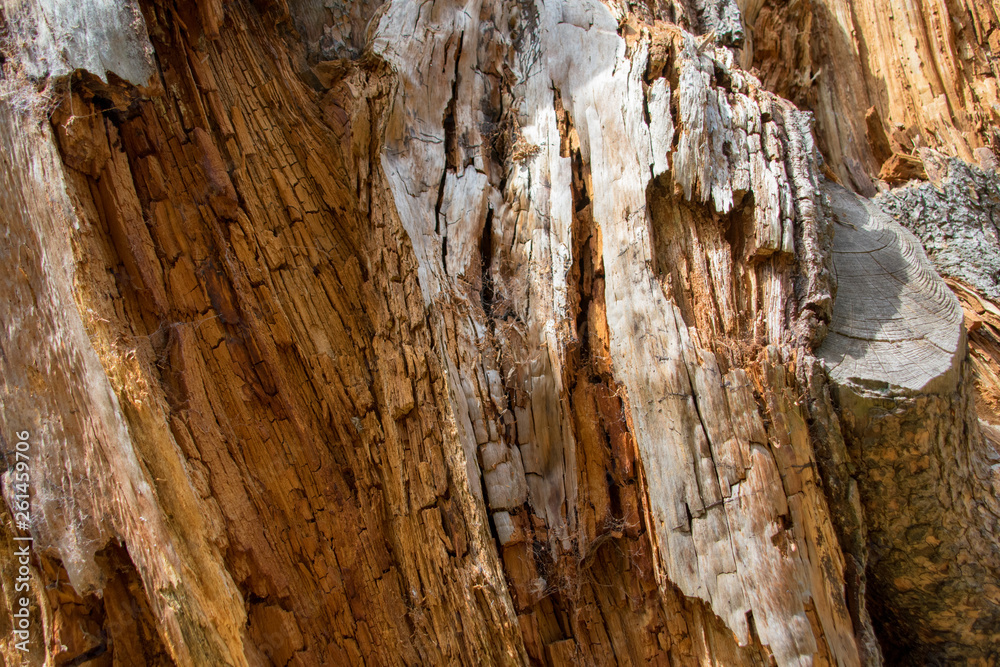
x=470, y=332
x=895, y=322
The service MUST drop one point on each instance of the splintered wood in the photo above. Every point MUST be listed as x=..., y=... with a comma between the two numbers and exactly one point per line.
x=471, y=332
x=717, y=508
x=916, y=72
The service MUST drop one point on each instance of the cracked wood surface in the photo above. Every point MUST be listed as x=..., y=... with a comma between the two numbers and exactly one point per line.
x=714, y=542
x=928, y=467
x=883, y=78
x=461, y=332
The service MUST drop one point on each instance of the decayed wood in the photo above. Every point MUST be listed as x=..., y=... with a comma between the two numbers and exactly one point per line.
x=467, y=332
x=895, y=352
x=715, y=542
x=933, y=552
x=982, y=319
x=925, y=68
x=258, y=430
x=527, y=315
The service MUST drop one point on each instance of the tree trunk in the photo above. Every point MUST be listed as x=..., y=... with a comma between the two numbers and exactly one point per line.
x=485, y=332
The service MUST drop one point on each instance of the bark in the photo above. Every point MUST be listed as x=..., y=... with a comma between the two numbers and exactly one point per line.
x=497, y=333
